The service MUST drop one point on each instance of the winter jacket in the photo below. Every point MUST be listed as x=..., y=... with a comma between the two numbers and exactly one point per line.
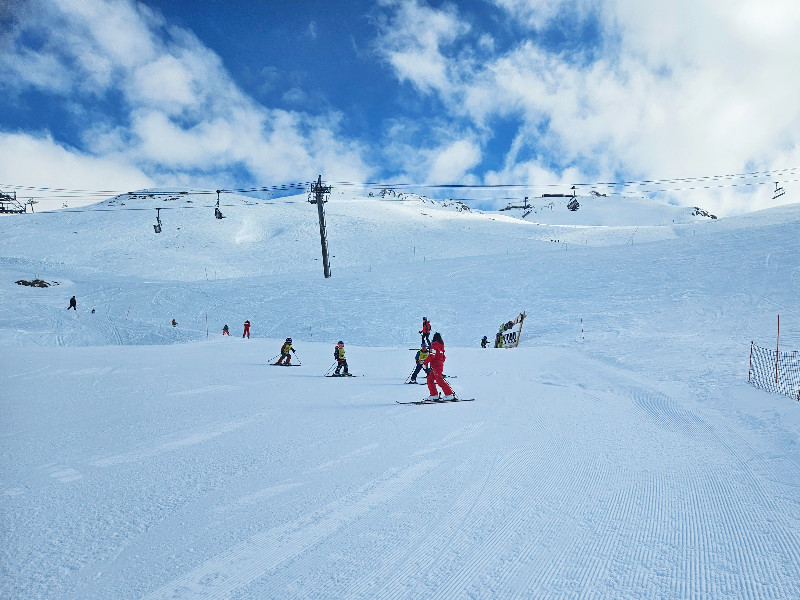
x=286, y=348
x=338, y=353
x=421, y=356
x=426, y=327
x=436, y=358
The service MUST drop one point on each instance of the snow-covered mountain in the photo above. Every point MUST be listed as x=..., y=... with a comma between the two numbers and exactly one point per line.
x=617, y=453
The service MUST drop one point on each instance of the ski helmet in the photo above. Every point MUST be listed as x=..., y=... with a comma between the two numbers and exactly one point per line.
x=289, y=340
x=341, y=343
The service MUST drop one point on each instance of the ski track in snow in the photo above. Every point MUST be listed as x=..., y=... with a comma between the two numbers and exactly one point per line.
x=250, y=560
x=618, y=453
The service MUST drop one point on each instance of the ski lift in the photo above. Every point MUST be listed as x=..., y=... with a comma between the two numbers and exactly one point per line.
x=217, y=211
x=779, y=191
x=157, y=226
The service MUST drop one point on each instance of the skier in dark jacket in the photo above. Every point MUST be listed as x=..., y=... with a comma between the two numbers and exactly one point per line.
x=484, y=342
x=420, y=357
x=338, y=354
x=73, y=304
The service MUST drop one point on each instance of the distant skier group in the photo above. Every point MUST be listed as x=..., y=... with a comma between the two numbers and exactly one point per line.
x=430, y=357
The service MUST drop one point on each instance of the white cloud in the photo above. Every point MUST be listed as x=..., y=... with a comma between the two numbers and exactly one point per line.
x=40, y=161
x=451, y=163
x=675, y=88
x=412, y=43
x=181, y=116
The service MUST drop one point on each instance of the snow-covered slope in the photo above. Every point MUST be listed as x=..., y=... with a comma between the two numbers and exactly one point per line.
x=617, y=453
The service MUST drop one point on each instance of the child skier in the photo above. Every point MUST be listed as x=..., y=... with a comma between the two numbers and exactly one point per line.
x=436, y=361
x=246, y=329
x=338, y=354
x=426, y=331
x=174, y=323
x=484, y=342
x=420, y=357
x=285, y=349
x=225, y=330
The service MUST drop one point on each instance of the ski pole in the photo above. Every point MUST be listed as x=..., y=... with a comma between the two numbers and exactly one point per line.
x=329, y=369
x=299, y=362
x=273, y=358
x=408, y=379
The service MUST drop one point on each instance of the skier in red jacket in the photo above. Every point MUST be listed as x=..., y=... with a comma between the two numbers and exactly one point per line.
x=426, y=331
x=436, y=361
x=246, y=329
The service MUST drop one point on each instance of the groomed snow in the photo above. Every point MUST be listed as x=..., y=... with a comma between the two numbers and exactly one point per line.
x=617, y=453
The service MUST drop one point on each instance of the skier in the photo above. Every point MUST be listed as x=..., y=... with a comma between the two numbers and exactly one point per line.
x=420, y=357
x=338, y=354
x=285, y=349
x=92, y=311
x=436, y=361
x=246, y=329
x=174, y=323
x=426, y=331
x=484, y=342
x=225, y=330
x=73, y=304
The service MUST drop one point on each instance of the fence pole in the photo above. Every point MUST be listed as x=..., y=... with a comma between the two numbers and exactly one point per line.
x=777, y=349
x=750, y=369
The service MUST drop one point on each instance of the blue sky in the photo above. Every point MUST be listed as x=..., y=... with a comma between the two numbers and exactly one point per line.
x=120, y=95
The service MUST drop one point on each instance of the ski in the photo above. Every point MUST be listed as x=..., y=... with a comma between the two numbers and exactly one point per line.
x=441, y=401
x=283, y=365
x=343, y=375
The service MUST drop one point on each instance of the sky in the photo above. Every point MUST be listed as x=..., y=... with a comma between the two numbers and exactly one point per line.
x=100, y=96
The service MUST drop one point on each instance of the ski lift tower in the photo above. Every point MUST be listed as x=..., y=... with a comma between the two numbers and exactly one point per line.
x=319, y=195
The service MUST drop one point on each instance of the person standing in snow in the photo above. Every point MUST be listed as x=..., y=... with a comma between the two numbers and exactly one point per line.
x=285, y=350
x=338, y=354
x=225, y=330
x=420, y=357
x=436, y=361
x=246, y=329
x=73, y=304
x=174, y=323
x=426, y=331
x=484, y=342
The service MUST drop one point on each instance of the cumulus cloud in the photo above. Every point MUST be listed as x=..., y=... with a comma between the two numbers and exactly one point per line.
x=673, y=88
x=178, y=111
x=30, y=158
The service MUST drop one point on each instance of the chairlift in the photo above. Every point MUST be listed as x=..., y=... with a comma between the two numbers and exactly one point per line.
x=779, y=191
x=157, y=226
x=217, y=211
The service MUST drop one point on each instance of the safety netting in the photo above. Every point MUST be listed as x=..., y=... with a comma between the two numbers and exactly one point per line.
x=774, y=371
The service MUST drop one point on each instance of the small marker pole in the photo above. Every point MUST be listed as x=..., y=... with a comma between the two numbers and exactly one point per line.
x=777, y=348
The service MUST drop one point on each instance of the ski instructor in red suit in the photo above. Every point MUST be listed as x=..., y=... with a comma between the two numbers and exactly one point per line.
x=436, y=361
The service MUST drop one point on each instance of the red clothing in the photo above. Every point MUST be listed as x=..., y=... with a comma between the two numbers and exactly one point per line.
x=246, y=329
x=436, y=357
x=435, y=377
x=426, y=327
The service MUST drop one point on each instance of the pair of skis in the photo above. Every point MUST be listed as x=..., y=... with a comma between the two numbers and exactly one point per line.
x=440, y=400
